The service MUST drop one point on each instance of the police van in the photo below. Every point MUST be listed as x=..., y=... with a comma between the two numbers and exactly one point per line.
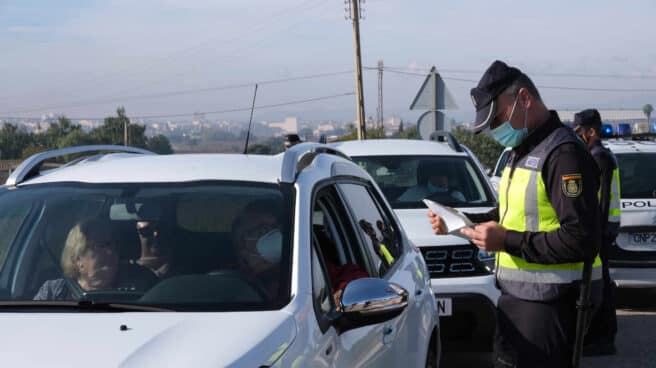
x=632, y=258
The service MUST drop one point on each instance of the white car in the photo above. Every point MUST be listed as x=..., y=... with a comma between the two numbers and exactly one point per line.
x=497, y=172
x=632, y=258
x=132, y=259
x=462, y=276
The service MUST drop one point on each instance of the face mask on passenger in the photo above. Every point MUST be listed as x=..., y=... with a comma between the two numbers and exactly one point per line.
x=269, y=246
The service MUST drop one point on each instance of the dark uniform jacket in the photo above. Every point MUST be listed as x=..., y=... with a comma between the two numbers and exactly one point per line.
x=606, y=163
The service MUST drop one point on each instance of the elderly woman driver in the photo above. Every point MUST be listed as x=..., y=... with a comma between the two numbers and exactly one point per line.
x=90, y=258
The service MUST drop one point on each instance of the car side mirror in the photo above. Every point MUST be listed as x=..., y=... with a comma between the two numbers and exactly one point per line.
x=369, y=301
x=489, y=172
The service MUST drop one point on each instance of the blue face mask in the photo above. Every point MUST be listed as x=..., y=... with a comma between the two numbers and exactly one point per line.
x=269, y=246
x=508, y=136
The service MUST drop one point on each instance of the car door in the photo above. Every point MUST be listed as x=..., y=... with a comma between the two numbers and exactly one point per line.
x=399, y=341
x=335, y=243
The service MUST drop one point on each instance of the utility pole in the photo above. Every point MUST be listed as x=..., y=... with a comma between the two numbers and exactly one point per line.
x=353, y=6
x=125, y=132
x=380, y=94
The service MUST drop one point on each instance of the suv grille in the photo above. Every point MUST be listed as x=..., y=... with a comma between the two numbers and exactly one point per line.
x=453, y=261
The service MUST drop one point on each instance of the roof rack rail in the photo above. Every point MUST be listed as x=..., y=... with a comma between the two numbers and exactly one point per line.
x=31, y=166
x=444, y=136
x=301, y=155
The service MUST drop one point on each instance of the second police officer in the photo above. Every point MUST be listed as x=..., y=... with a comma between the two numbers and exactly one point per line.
x=546, y=225
x=600, y=339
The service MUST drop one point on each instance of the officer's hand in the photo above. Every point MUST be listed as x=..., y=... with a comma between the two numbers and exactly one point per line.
x=439, y=227
x=489, y=236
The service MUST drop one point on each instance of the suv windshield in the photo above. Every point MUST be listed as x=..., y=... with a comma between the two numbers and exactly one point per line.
x=637, y=175
x=201, y=246
x=406, y=180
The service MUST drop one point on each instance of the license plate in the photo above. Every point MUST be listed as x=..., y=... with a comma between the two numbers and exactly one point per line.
x=643, y=238
x=444, y=307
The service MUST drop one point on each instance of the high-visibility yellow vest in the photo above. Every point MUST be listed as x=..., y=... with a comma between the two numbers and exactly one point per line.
x=614, y=210
x=524, y=206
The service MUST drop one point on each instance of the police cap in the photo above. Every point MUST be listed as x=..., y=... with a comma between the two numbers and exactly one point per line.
x=588, y=118
x=495, y=80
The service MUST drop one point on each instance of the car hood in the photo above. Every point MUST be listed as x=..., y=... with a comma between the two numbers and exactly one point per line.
x=240, y=339
x=417, y=226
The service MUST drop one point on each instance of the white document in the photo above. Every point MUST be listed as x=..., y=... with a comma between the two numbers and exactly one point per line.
x=453, y=219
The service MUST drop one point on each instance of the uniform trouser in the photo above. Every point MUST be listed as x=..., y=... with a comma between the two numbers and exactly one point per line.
x=535, y=334
x=603, y=325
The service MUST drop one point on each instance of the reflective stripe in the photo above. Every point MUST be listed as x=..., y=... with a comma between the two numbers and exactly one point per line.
x=509, y=261
x=386, y=254
x=614, y=209
x=531, y=214
x=546, y=276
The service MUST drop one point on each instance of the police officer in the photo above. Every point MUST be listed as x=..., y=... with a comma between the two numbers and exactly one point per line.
x=546, y=226
x=600, y=339
x=291, y=140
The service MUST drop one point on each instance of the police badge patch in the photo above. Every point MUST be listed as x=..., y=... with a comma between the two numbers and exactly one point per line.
x=572, y=185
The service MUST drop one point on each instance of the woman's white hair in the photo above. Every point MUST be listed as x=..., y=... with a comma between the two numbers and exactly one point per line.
x=83, y=236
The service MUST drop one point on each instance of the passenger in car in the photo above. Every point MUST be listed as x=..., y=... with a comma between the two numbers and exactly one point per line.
x=155, y=248
x=257, y=242
x=432, y=180
x=155, y=238
x=90, y=258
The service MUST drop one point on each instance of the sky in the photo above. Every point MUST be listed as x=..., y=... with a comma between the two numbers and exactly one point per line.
x=83, y=58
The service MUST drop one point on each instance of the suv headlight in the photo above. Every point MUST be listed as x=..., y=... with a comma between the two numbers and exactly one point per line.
x=486, y=259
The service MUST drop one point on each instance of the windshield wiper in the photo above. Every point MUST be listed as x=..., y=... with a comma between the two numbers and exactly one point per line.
x=83, y=305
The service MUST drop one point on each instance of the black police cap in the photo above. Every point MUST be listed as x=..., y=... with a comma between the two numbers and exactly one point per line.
x=495, y=80
x=587, y=118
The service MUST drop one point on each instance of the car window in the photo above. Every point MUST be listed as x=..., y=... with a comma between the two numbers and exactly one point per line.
x=12, y=216
x=210, y=246
x=336, y=241
x=637, y=175
x=321, y=292
x=406, y=180
x=503, y=160
x=381, y=239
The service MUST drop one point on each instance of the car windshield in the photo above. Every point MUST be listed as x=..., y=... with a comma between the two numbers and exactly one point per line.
x=217, y=246
x=406, y=180
x=637, y=175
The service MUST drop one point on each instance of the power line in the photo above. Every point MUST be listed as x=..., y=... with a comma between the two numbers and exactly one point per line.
x=176, y=115
x=564, y=88
x=558, y=75
x=177, y=93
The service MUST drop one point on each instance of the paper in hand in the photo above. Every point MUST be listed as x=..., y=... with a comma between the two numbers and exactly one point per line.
x=454, y=220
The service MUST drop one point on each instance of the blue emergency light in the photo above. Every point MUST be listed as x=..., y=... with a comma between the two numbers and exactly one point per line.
x=623, y=130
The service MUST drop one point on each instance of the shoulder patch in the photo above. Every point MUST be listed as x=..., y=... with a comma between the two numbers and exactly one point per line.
x=532, y=162
x=572, y=185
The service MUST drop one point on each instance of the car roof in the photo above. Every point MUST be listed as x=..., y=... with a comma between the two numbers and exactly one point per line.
x=622, y=146
x=396, y=147
x=136, y=168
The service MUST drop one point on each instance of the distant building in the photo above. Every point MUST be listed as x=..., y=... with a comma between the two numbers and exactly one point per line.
x=289, y=126
x=607, y=116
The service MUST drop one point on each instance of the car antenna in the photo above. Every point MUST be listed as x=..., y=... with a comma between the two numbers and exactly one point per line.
x=250, y=121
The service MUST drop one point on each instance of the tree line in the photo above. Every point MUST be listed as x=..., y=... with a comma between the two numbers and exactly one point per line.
x=18, y=144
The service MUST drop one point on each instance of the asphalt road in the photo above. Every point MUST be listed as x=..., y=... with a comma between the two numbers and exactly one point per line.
x=635, y=341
